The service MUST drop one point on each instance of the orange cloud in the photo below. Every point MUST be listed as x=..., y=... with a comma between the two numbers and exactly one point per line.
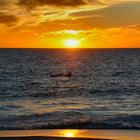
x=7, y=19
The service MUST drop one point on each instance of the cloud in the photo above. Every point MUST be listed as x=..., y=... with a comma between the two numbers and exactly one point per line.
x=36, y=12
x=71, y=14
x=35, y=3
x=123, y=14
x=7, y=19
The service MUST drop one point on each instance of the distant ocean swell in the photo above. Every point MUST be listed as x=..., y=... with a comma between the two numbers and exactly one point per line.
x=37, y=90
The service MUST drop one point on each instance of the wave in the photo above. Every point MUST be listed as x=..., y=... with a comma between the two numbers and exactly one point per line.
x=120, y=122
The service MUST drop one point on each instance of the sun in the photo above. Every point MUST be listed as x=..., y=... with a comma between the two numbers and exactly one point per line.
x=72, y=43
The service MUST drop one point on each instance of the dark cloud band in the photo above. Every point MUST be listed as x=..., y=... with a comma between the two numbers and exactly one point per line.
x=34, y=3
x=7, y=19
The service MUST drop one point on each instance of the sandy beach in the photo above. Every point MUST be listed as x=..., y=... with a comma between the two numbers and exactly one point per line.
x=70, y=135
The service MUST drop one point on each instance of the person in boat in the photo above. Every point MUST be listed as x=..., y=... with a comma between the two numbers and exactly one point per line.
x=69, y=74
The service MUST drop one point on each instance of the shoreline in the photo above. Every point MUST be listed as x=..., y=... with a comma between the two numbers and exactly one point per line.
x=47, y=138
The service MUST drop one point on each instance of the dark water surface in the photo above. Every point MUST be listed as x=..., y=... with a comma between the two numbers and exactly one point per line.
x=103, y=92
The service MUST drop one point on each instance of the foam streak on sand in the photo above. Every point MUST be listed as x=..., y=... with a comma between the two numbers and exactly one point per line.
x=77, y=135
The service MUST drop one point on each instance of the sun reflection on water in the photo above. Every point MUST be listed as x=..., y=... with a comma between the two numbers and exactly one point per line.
x=70, y=133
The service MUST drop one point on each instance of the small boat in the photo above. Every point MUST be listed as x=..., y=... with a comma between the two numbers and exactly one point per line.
x=69, y=74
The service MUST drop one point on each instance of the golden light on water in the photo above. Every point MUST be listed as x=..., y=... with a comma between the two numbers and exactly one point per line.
x=95, y=134
x=72, y=43
x=69, y=133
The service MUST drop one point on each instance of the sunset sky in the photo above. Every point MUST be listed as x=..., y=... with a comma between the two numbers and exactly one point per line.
x=69, y=23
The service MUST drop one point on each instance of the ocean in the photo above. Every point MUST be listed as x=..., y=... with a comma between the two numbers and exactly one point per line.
x=102, y=93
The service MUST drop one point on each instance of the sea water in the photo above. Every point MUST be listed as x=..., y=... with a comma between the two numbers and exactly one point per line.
x=103, y=92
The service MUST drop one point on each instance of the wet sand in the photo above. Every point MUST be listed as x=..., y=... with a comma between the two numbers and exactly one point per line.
x=71, y=134
x=47, y=138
